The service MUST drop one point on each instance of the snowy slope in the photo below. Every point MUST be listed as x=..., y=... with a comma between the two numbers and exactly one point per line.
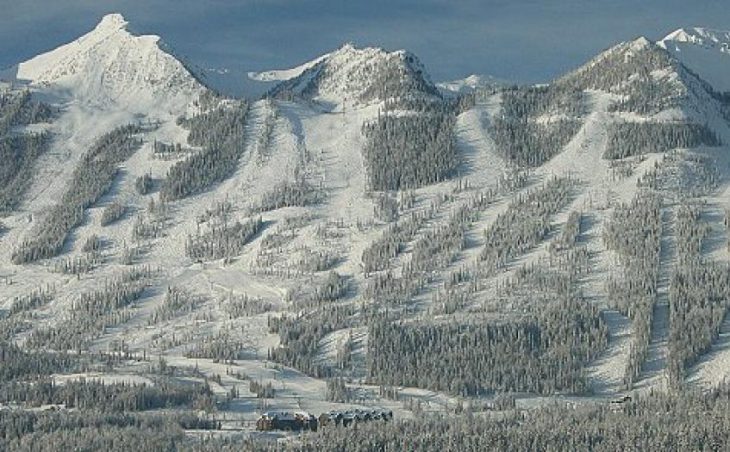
x=704, y=51
x=110, y=77
x=110, y=65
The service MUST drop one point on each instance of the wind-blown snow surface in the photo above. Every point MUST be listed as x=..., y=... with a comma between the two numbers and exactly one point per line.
x=704, y=51
x=110, y=77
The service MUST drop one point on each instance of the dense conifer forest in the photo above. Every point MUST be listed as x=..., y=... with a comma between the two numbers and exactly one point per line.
x=628, y=139
x=410, y=150
x=219, y=134
x=543, y=354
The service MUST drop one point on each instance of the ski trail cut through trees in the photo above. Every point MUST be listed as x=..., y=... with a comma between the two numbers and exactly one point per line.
x=607, y=372
x=658, y=353
x=714, y=367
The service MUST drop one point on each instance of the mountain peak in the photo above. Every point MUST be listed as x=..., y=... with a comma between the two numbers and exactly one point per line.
x=112, y=22
x=629, y=49
x=641, y=43
x=357, y=74
x=347, y=47
x=679, y=35
x=110, y=65
x=639, y=51
x=699, y=35
x=705, y=51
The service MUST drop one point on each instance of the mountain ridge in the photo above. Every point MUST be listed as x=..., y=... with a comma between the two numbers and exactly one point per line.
x=358, y=75
x=110, y=64
x=705, y=51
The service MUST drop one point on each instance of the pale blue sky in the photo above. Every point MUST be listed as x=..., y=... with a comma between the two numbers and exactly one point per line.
x=521, y=40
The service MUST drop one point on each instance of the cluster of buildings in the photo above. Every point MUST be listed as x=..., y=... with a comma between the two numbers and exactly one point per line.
x=299, y=421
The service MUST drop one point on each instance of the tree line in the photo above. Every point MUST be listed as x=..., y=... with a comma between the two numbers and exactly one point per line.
x=93, y=311
x=627, y=139
x=525, y=223
x=300, y=336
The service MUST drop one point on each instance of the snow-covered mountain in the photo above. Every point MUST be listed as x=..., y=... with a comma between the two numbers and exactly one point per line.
x=705, y=51
x=354, y=75
x=103, y=81
x=621, y=66
x=488, y=209
x=650, y=80
x=111, y=65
